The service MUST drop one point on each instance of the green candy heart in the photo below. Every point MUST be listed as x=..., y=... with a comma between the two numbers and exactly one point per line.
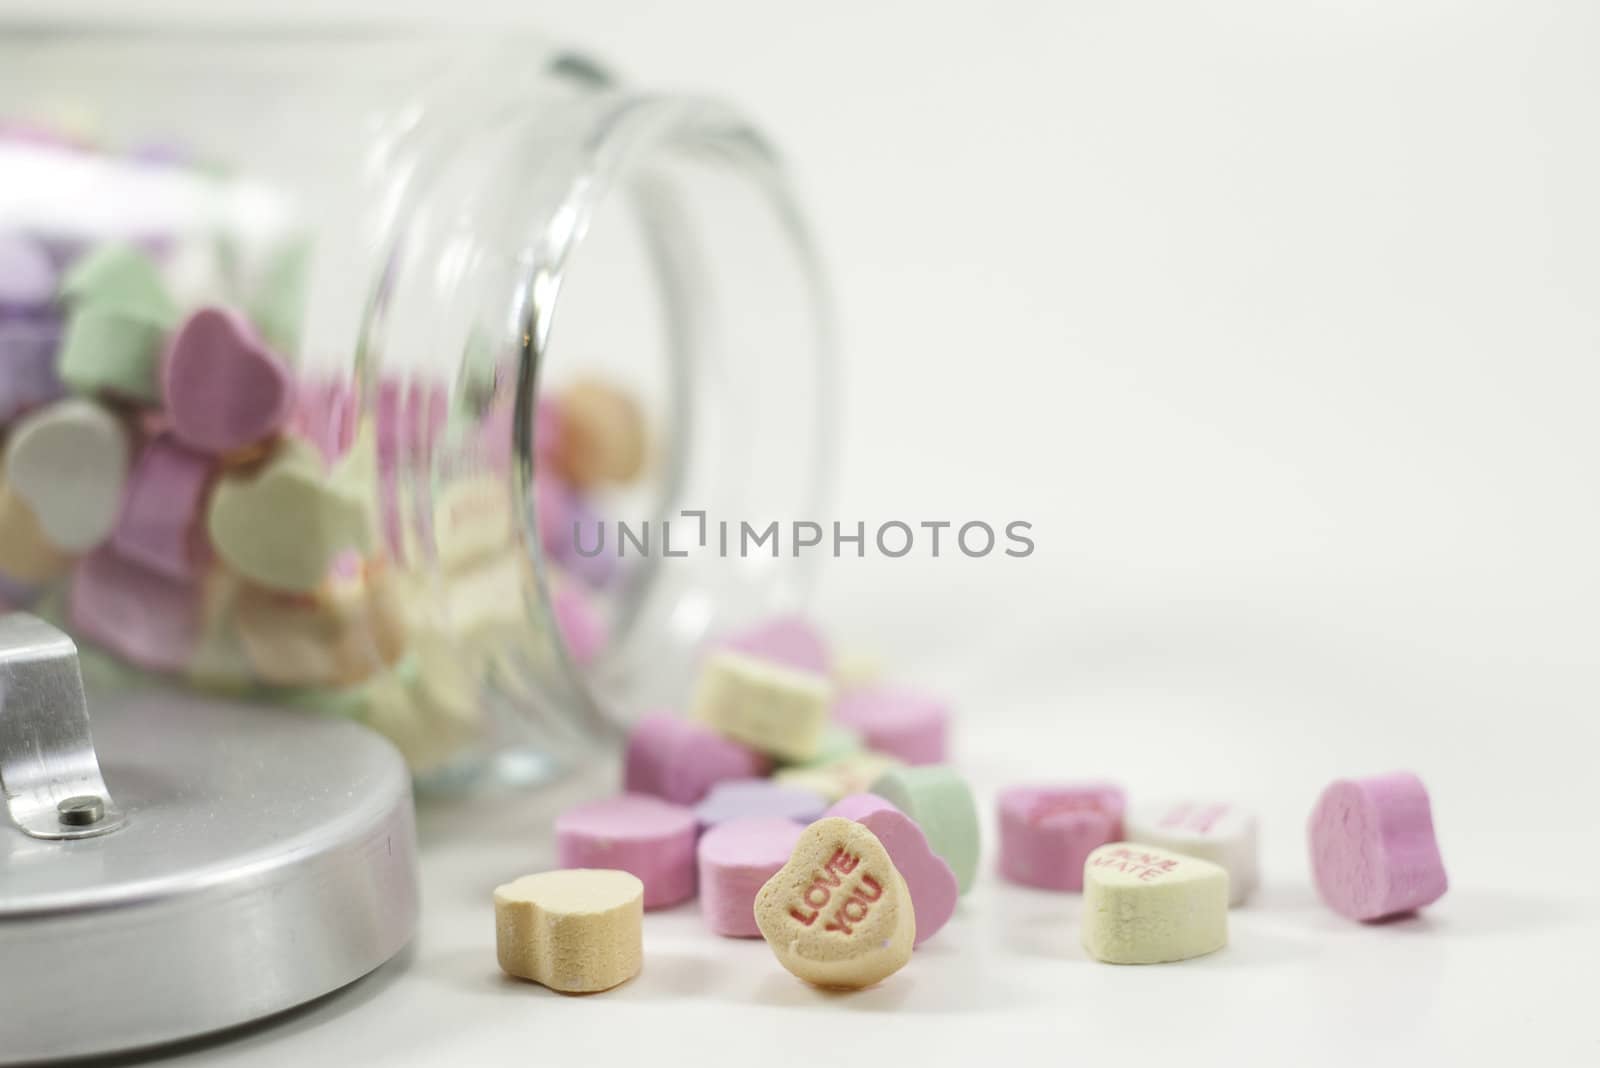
x=836, y=744
x=283, y=525
x=122, y=278
x=119, y=315
x=941, y=803
x=106, y=351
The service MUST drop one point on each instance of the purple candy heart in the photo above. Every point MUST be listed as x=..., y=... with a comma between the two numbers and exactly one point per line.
x=27, y=276
x=586, y=529
x=751, y=798
x=28, y=376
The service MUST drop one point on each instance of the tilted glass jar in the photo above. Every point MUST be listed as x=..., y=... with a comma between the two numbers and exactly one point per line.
x=478, y=292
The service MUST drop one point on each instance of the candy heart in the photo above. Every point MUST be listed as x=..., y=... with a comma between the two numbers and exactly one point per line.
x=767, y=706
x=836, y=779
x=1222, y=833
x=27, y=557
x=1373, y=850
x=577, y=931
x=652, y=838
x=27, y=276
x=224, y=388
x=788, y=640
x=159, y=525
x=28, y=356
x=734, y=799
x=593, y=566
x=144, y=617
x=602, y=435
x=119, y=277
x=838, y=914
x=901, y=722
x=120, y=313
x=837, y=743
x=679, y=760
x=582, y=628
x=69, y=462
x=932, y=884
x=472, y=520
x=283, y=524
x=344, y=634
x=736, y=860
x=941, y=802
x=1143, y=905
x=552, y=513
x=104, y=350
x=1046, y=832
x=325, y=415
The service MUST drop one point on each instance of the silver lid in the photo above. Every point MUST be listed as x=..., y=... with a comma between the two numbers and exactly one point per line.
x=267, y=857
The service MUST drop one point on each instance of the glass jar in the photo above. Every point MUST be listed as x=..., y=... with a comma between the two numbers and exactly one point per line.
x=330, y=356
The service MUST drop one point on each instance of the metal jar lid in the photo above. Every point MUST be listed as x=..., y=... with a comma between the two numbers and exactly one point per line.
x=233, y=861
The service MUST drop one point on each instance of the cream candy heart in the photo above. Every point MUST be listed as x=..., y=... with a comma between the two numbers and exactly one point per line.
x=578, y=931
x=838, y=914
x=69, y=462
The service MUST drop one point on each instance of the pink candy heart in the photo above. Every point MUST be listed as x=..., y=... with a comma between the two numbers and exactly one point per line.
x=146, y=618
x=224, y=388
x=159, y=526
x=788, y=640
x=932, y=883
x=582, y=629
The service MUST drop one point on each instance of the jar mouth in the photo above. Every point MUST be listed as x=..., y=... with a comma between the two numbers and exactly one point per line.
x=633, y=233
x=690, y=174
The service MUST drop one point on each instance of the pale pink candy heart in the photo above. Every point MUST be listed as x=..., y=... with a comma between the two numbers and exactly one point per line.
x=325, y=415
x=788, y=640
x=552, y=508
x=582, y=628
x=160, y=525
x=933, y=886
x=224, y=388
x=142, y=616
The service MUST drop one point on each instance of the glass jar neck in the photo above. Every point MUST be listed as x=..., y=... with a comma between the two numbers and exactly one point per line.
x=588, y=231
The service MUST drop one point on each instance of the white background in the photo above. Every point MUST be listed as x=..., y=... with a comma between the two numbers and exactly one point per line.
x=1280, y=323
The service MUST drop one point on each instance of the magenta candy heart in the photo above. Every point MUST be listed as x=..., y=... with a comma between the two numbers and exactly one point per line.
x=224, y=388
x=933, y=886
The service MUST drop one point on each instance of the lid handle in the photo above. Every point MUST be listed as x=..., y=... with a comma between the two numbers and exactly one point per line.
x=48, y=769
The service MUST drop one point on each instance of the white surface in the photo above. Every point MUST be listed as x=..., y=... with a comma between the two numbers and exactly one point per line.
x=1279, y=321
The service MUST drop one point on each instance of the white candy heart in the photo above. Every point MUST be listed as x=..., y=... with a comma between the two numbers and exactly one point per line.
x=69, y=461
